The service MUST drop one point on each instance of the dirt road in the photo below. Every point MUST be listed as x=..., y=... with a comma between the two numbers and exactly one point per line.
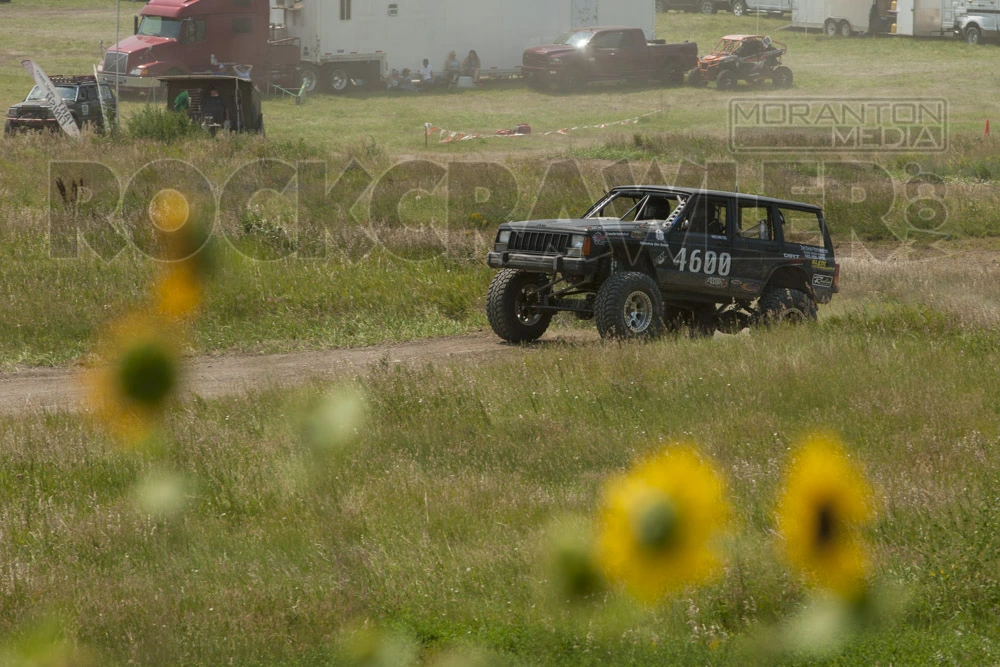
x=214, y=376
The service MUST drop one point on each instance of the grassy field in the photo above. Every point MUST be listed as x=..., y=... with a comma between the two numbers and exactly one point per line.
x=421, y=530
x=239, y=542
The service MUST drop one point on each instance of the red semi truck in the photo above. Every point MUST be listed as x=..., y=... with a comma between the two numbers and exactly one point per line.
x=174, y=37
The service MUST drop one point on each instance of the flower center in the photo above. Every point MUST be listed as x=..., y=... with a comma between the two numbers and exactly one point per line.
x=826, y=526
x=656, y=523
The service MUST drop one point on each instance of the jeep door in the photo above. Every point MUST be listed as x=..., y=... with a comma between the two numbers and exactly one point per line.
x=755, y=245
x=700, y=249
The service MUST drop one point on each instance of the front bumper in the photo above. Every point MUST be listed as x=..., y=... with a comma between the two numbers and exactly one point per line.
x=541, y=74
x=551, y=264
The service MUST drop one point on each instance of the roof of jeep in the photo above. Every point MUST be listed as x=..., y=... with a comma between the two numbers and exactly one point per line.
x=670, y=189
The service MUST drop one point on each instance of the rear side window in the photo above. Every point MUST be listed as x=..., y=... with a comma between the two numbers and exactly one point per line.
x=801, y=228
x=755, y=222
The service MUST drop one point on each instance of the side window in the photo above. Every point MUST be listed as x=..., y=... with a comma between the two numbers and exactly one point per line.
x=242, y=25
x=634, y=40
x=800, y=227
x=107, y=94
x=607, y=40
x=194, y=30
x=756, y=222
x=709, y=217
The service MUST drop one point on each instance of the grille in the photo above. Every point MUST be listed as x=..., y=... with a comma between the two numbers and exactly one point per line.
x=540, y=242
x=115, y=62
x=533, y=60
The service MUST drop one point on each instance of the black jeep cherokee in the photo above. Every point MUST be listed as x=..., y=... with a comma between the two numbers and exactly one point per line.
x=82, y=96
x=648, y=257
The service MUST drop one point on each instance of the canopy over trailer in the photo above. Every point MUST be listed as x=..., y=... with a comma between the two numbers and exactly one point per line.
x=239, y=96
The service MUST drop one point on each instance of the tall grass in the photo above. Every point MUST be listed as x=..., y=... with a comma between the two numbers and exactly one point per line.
x=435, y=524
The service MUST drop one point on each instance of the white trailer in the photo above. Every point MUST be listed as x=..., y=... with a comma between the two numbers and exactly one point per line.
x=915, y=18
x=834, y=17
x=347, y=40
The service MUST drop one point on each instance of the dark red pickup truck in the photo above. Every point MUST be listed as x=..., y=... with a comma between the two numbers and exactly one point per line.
x=611, y=52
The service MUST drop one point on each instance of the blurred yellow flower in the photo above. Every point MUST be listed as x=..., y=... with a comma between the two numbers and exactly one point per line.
x=169, y=210
x=825, y=502
x=178, y=291
x=661, y=524
x=136, y=374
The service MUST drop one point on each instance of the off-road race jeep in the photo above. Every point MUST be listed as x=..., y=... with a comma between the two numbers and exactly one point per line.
x=81, y=94
x=750, y=58
x=648, y=258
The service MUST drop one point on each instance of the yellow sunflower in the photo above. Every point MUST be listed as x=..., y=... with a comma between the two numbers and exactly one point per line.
x=135, y=376
x=178, y=291
x=825, y=502
x=661, y=523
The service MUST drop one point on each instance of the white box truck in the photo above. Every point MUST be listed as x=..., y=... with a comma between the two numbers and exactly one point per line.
x=344, y=41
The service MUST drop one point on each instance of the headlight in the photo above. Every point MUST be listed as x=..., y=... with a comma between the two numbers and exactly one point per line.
x=503, y=237
x=576, y=241
x=555, y=61
x=12, y=113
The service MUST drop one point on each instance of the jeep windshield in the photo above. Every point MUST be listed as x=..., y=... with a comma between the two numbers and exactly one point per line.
x=157, y=26
x=629, y=206
x=727, y=46
x=68, y=93
x=574, y=38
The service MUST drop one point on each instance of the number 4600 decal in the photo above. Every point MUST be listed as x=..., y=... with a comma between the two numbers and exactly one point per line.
x=709, y=263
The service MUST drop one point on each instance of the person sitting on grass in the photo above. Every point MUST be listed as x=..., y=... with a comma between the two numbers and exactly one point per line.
x=452, y=68
x=426, y=74
x=470, y=66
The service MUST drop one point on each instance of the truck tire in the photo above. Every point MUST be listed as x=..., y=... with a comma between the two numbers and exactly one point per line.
x=508, y=303
x=629, y=306
x=572, y=80
x=739, y=8
x=672, y=74
x=338, y=79
x=845, y=29
x=309, y=75
x=726, y=80
x=973, y=35
x=782, y=77
x=706, y=7
x=830, y=28
x=781, y=304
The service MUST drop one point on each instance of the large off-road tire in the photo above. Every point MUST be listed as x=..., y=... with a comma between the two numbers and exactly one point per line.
x=782, y=77
x=629, y=305
x=726, y=80
x=338, y=79
x=672, y=74
x=508, y=306
x=781, y=304
x=739, y=8
x=830, y=28
x=973, y=35
x=695, y=79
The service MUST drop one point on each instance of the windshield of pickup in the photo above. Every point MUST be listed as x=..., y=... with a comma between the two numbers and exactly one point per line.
x=68, y=93
x=157, y=26
x=574, y=38
x=629, y=206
